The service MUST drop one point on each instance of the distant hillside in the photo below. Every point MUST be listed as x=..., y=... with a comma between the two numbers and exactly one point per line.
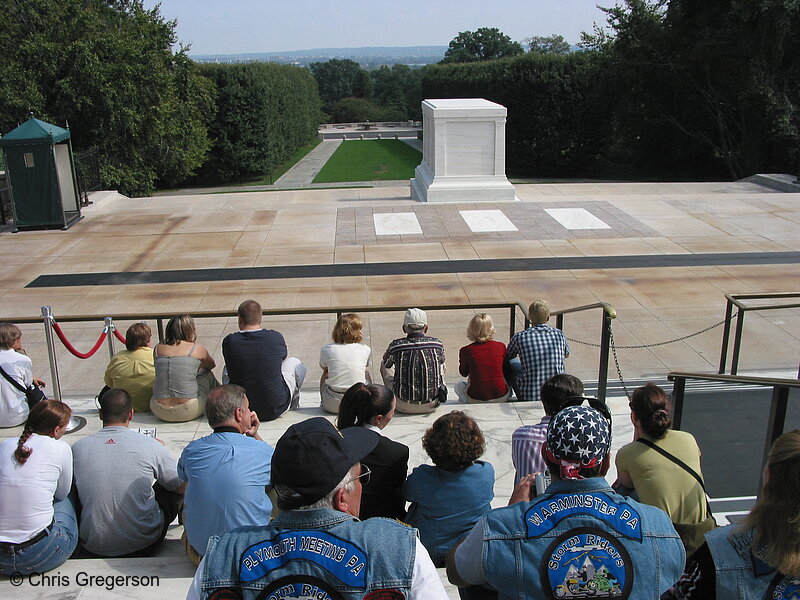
x=366, y=57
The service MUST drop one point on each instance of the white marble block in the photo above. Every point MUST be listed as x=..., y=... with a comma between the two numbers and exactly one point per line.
x=464, y=152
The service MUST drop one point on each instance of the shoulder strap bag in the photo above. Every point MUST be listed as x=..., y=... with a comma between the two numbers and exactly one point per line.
x=692, y=534
x=32, y=394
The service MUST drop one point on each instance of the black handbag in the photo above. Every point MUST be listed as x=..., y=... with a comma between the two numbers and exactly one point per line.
x=441, y=394
x=692, y=534
x=33, y=394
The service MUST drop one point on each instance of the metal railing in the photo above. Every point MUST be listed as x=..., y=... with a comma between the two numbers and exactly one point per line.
x=608, y=313
x=742, y=309
x=87, y=169
x=778, y=404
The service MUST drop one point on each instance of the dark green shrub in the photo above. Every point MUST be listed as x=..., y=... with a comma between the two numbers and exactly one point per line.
x=265, y=112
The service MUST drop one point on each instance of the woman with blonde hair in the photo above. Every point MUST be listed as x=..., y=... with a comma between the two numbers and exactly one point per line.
x=344, y=363
x=184, y=375
x=38, y=526
x=484, y=362
x=760, y=558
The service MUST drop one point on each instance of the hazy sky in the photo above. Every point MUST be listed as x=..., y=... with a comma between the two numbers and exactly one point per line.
x=235, y=26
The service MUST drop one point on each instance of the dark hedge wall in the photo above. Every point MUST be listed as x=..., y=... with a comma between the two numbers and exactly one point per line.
x=265, y=112
x=558, y=108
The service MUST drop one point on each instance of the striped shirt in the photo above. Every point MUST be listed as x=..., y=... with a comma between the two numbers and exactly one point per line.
x=417, y=360
x=526, y=448
x=541, y=350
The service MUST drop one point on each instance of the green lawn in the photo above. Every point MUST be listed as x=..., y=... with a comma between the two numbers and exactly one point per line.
x=370, y=160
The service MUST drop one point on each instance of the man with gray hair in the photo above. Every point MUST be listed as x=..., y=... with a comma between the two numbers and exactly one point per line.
x=226, y=472
x=541, y=350
x=317, y=547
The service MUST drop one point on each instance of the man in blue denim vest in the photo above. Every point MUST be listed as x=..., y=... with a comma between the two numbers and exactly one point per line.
x=579, y=539
x=317, y=548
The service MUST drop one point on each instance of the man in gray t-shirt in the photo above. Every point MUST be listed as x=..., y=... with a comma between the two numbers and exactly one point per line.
x=123, y=512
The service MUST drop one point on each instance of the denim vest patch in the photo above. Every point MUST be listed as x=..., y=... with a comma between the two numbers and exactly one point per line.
x=783, y=588
x=549, y=512
x=299, y=587
x=587, y=562
x=341, y=558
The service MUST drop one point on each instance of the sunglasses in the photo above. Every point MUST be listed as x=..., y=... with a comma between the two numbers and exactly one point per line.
x=364, y=477
x=594, y=403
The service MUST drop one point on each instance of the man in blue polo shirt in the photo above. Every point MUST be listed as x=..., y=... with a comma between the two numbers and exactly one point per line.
x=579, y=539
x=226, y=472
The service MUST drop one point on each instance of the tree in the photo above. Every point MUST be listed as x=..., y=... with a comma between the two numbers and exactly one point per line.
x=340, y=78
x=108, y=69
x=265, y=111
x=549, y=44
x=716, y=82
x=398, y=91
x=486, y=43
x=353, y=110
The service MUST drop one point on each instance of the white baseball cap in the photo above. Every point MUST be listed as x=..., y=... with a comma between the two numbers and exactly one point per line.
x=415, y=318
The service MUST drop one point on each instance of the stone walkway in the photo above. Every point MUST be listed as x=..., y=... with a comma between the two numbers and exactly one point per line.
x=303, y=173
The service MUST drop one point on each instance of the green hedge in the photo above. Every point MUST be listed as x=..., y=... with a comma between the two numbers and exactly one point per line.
x=265, y=112
x=558, y=108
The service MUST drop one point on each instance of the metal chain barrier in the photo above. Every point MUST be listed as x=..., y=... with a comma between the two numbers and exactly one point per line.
x=614, y=347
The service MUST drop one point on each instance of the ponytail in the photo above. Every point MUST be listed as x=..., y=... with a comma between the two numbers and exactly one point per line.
x=44, y=417
x=651, y=406
x=23, y=452
x=361, y=403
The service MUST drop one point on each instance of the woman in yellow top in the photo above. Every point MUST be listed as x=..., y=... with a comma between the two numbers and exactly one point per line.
x=658, y=481
x=133, y=369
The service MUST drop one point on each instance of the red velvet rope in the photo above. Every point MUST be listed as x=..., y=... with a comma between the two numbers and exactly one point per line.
x=119, y=336
x=71, y=348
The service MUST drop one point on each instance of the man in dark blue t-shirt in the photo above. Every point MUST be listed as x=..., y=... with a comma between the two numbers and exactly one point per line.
x=257, y=359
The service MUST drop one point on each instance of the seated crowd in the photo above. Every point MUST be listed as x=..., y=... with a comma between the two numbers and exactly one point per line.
x=324, y=512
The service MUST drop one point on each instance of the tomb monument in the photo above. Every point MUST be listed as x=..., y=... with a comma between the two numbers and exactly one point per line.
x=464, y=152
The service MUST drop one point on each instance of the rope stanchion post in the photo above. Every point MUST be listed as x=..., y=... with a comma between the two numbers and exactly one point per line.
x=47, y=317
x=109, y=321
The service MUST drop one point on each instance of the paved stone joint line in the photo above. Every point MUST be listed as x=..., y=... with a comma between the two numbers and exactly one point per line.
x=416, y=268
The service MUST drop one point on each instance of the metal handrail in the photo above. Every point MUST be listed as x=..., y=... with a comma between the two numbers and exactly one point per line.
x=608, y=313
x=159, y=317
x=735, y=300
x=777, y=413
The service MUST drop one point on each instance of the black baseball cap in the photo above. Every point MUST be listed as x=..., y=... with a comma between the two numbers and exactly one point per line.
x=312, y=457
